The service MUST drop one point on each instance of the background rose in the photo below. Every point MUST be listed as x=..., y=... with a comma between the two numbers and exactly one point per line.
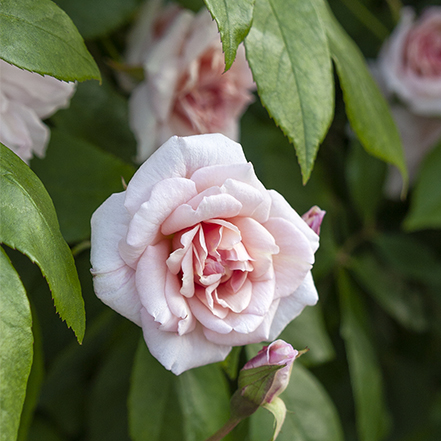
x=200, y=254
x=410, y=61
x=26, y=98
x=185, y=91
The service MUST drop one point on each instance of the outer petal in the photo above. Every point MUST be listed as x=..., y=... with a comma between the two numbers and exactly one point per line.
x=181, y=157
x=109, y=225
x=180, y=353
x=281, y=208
x=290, y=307
x=295, y=258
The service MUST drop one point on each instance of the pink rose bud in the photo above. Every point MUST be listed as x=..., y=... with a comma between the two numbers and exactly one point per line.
x=314, y=218
x=277, y=354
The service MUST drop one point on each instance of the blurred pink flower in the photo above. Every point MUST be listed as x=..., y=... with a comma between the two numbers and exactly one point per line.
x=26, y=98
x=314, y=217
x=185, y=91
x=278, y=353
x=200, y=254
x=410, y=61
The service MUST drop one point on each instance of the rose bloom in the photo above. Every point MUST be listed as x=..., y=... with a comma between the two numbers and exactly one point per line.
x=185, y=91
x=26, y=98
x=410, y=61
x=200, y=255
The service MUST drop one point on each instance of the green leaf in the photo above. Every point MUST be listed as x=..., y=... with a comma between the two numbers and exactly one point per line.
x=366, y=108
x=365, y=176
x=311, y=415
x=288, y=54
x=16, y=349
x=29, y=224
x=38, y=36
x=425, y=207
x=162, y=406
x=366, y=378
x=308, y=330
x=233, y=19
x=392, y=292
x=98, y=17
x=79, y=177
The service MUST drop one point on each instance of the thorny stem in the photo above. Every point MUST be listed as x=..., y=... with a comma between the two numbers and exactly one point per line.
x=224, y=430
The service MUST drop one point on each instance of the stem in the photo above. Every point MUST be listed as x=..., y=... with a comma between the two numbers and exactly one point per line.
x=395, y=8
x=77, y=249
x=224, y=430
x=367, y=18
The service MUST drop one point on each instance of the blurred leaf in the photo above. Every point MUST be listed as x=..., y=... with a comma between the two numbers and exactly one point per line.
x=34, y=382
x=411, y=257
x=16, y=349
x=29, y=224
x=231, y=364
x=311, y=415
x=366, y=108
x=79, y=177
x=392, y=293
x=98, y=17
x=162, y=406
x=425, y=207
x=288, y=54
x=67, y=385
x=366, y=377
x=41, y=430
x=365, y=175
x=308, y=330
x=99, y=115
x=107, y=417
x=37, y=35
x=233, y=19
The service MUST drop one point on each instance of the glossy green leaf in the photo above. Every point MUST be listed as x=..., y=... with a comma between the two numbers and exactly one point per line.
x=425, y=207
x=98, y=17
x=372, y=416
x=37, y=35
x=366, y=108
x=392, y=292
x=16, y=349
x=288, y=54
x=163, y=406
x=310, y=416
x=29, y=224
x=79, y=177
x=233, y=19
x=308, y=330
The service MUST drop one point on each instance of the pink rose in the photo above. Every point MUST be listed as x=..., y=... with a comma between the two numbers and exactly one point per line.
x=200, y=254
x=185, y=91
x=278, y=353
x=26, y=98
x=410, y=61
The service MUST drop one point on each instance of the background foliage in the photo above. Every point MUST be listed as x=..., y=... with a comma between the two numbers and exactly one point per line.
x=373, y=371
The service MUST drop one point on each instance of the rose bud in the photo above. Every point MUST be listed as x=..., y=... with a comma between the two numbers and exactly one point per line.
x=314, y=217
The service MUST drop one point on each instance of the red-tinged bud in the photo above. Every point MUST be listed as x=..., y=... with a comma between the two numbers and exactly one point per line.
x=314, y=217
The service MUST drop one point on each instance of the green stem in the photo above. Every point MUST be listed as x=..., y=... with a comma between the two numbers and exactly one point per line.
x=224, y=430
x=77, y=249
x=395, y=8
x=367, y=18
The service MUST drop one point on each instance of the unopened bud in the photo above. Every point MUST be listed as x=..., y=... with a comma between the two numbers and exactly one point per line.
x=314, y=217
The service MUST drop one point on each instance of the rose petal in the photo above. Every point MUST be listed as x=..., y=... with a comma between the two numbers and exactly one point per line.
x=179, y=353
x=290, y=307
x=295, y=258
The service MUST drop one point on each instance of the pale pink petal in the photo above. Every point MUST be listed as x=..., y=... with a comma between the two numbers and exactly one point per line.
x=261, y=333
x=295, y=258
x=117, y=289
x=262, y=298
x=180, y=157
x=179, y=353
x=151, y=276
x=235, y=301
x=206, y=317
x=174, y=261
x=281, y=208
x=222, y=205
x=290, y=307
x=109, y=225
